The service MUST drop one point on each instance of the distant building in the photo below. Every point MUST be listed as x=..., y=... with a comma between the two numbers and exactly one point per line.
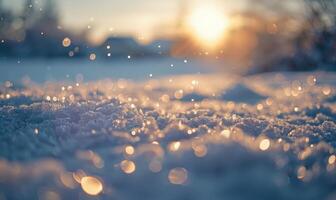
x=120, y=46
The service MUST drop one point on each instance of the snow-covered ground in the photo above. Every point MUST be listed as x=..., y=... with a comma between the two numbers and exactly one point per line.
x=40, y=71
x=269, y=136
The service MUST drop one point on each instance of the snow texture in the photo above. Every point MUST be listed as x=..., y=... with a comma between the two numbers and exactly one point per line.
x=270, y=136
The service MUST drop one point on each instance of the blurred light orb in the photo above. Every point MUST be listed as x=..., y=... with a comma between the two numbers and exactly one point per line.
x=208, y=24
x=127, y=166
x=200, y=150
x=129, y=150
x=174, y=146
x=264, y=144
x=92, y=56
x=91, y=185
x=67, y=180
x=178, y=176
x=326, y=91
x=301, y=172
x=226, y=133
x=66, y=42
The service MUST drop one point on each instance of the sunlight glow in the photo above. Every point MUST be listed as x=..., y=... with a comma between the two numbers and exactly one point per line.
x=208, y=25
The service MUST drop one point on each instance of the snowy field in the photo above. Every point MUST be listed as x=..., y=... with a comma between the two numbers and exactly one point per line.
x=199, y=136
x=40, y=71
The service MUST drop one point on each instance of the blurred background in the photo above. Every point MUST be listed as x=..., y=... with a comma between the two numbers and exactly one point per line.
x=46, y=40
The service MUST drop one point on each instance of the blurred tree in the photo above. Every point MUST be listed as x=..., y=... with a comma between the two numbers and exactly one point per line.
x=50, y=14
x=29, y=15
x=267, y=24
x=6, y=19
x=35, y=32
x=321, y=12
x=316, y=43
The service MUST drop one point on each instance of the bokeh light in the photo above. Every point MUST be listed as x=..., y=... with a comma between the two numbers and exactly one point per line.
x=91, y=185
x=127, y=166
x=178, y=176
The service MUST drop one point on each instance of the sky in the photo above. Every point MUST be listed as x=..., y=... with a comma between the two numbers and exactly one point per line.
x=142, y=19
x=139, y=18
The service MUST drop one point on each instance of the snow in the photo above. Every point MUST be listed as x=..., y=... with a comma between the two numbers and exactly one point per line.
x=40, y=70
x=268, y=136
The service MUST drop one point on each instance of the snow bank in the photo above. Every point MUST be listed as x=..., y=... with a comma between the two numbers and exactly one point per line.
x=270, y=136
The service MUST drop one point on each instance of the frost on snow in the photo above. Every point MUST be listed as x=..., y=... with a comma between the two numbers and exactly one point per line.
x=269, y=136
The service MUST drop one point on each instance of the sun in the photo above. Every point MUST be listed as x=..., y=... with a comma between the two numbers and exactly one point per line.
x=208, y=25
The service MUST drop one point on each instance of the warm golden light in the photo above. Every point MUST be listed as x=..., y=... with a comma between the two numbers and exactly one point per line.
x=332, y=159
x=264, y=144
x=226, y=133
x=208, y=24
x=91, y=185
x=127, y=166
x=174, y=146
x=66, y=42
x=129, y=150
